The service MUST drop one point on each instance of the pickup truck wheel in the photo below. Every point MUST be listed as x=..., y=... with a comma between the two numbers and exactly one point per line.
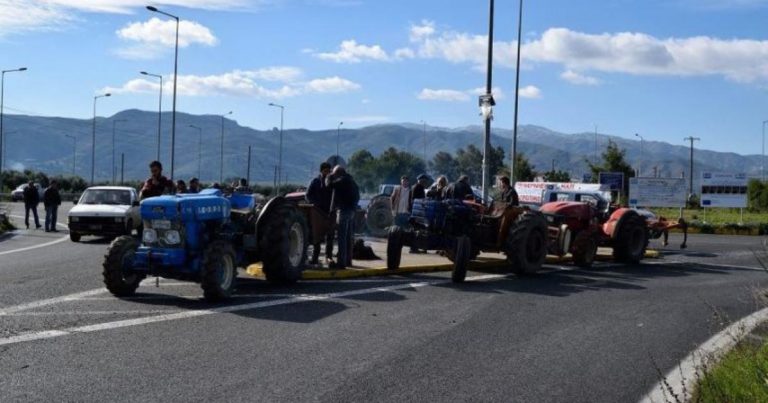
x=219, y=271
x=119, y=276
x=74, y=237
x=284, y=243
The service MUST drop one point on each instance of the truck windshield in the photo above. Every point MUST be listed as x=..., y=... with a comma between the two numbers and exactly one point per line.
x=106, y=196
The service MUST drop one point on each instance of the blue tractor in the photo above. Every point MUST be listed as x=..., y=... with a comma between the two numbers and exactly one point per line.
x=205, y=237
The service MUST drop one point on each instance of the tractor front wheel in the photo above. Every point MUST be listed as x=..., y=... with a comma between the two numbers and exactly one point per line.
x=219, y=271
x=118, y=273
x=284, y=243
x=630, y=239
x=584, y=249
x=394, y=247
x=527, y=243
x=461, y=257
x=379, y=217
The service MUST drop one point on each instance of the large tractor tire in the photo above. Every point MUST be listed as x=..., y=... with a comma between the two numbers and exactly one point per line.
x=630, y=238
x=461, y=255
x=526, y=247
x=219, y=271
x=379, y=216
x=119, y=277
x=584, y=249
x=450, y=254
x=394, y=247
x=284, y=239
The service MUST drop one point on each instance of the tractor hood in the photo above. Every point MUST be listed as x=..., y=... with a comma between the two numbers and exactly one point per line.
x=568, y=209
x=204, y=206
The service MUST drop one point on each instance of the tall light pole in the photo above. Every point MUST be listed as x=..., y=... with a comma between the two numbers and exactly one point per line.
x=114, y=167
x=74, y=152
x=486, y=105
x=513, y=165
x=640, y=164
x=424, y=123
x=338, y=139
x=595, y=144
x=280, y=153
x=93, y=138
x=221, y=167
x=175, y=75
x=199, y=150
x=159, y=111
x=690, y=179
x=2, y=105
x=762, y=157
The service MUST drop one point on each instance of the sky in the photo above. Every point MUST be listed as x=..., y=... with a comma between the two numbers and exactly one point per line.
x=664, y=69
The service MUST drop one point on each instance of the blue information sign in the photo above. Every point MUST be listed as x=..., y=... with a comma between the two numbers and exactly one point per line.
x=614, y=180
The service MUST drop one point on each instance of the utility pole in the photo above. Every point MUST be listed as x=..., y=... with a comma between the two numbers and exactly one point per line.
x=248, y=172
x=486, y=105
x=513, y=164
x=425, y=145
x=690, y=176
x=221, y=167
x=762, y=156
x=122, y=168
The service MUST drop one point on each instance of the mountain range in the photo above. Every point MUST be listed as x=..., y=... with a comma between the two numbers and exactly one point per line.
x=35, y=142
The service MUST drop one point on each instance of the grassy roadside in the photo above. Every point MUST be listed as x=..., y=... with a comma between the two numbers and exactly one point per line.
x=720, y=221
x=741, y=376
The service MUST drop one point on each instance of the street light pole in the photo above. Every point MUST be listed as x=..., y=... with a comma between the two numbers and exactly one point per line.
x=74, y=152
x=175, y=75
x=425, y=143
x=2, y=106
x=640, y=164
x=513, y=165
x=221, y=169
x=159, y=111
x=338, y=139
x=199, y=150
x=114, y=167
x=280, y=152
x=762, y=157
x=93, y=138
x=486, y=105
x=690, y=179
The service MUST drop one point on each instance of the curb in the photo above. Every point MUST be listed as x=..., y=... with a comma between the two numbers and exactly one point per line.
x=680, y=381
x=255, y=270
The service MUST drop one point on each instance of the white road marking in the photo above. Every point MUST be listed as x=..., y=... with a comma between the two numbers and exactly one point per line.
x=76, y=313
x=42, y=245
x=50, y=301
x=682, y=378
x=719, y=266
x=49, y=334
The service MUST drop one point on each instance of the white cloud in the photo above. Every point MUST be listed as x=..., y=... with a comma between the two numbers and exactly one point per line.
x=352, y=52
x=578, y=79
x=404, y=53
x=530, y=91
x=443, y=95
x=243, y=83
x=498, y=94
x=163, y=32
x=423, y=30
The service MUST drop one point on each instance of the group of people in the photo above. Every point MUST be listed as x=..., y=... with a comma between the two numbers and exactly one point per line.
x=51, y=199
x=334, y=193
x=158, y=185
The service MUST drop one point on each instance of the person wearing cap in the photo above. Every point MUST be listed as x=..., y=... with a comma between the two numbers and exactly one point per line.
x=460, y=190
x=508, y=193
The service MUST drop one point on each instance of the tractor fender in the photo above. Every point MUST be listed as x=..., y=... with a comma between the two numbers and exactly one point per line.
x=268, y=208
x=616, y=220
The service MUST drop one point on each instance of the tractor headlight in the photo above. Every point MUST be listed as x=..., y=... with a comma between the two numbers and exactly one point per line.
x=172, y=237
x=149, y=236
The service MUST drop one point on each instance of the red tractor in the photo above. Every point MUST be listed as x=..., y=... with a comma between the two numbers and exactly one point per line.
x=579, y=227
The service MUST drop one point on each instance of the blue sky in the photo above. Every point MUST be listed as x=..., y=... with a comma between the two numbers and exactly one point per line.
x=664, y=69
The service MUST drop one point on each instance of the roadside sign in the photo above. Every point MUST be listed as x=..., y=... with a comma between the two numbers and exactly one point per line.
x=615, y=180
x=532, y=192
x=720, y=189
x=586, y=178
x=657, y=192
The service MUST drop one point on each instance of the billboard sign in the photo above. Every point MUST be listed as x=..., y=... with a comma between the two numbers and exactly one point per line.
x=532, y=192
x=614, y=180
x=720, y=189
x=657, y=192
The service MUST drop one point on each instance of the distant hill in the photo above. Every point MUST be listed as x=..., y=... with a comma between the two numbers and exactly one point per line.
x=40, y=143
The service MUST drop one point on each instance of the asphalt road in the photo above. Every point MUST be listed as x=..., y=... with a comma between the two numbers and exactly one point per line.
x=562, y=335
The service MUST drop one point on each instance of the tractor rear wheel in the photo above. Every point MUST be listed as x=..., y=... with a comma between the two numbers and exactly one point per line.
x=526, y=247
x=284, y=241
x=219, y=271
x=630, y=239
x=462, y=254
x=584, y=249
x=379, y=217
x=394, y=247
x=472, y=255
x=118, y=273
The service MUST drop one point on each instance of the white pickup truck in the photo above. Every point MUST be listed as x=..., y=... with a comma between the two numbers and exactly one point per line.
x=107, y=211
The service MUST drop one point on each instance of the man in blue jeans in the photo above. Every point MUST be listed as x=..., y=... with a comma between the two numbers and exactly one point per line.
x=344, y=198
x=31, y=200
x=51, y=201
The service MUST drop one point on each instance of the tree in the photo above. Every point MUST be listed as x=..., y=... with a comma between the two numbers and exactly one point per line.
x=613, y=161
x=557, y=176
x=470, y=162
x=443, y=163
x=524, y=170
x=362, y=165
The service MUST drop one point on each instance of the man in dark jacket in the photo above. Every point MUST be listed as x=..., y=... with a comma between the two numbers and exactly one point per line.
x=508, y=193
x=319, y=194
x=460, y=190
x=157, y=184
x=345, y=197
x=31, y=200
x=51, y=201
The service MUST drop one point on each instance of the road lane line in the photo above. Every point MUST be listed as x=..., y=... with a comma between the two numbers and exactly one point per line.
x=50, y=301
x=74, y=313
x=42, y=245
x=49, y=334
x=715, y=265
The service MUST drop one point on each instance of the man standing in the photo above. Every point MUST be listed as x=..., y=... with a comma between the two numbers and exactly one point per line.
x=194, y=186
x=460, y=190
x=31, y=200
x=508, y=193
x=419, y=191
x=319, y=195
x=51, y=201
x=401, y=202
x=243, y=187
x=157, y=184
x=181, y=187
x=345, y=197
